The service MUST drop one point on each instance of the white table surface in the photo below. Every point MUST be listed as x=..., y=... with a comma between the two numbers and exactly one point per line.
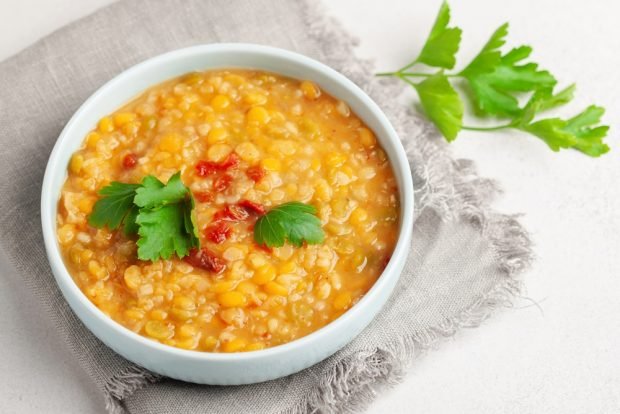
x=561, y=358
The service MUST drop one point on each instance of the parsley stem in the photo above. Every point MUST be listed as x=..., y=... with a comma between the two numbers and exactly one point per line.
x=412, y=64
x=495, y=128
x=401, y=75
x=397, y=74
x=408, y=81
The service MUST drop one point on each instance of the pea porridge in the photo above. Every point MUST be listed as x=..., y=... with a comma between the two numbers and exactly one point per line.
x=244, y=143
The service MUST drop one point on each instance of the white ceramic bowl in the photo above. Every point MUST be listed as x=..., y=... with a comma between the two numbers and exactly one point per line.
x=224, y=368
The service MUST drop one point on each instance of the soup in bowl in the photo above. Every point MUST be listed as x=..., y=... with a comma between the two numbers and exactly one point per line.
x=298, y=212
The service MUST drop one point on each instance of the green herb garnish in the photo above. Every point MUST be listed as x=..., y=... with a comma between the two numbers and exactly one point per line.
x=495, y=83
x=294, y=222
x=163, y=217
x=161, y=214
x=111, y=209
x=162, y=232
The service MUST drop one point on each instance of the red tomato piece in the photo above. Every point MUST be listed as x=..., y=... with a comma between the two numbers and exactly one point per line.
x=222, y=182
x=253, y=207
x=237, y=213
x=129, y=161
x=256, y=173
x=220, y=215
x=205, y=259
x=231, y=162
x=203, y=196
x=231, y=213
x=219, y=232
x=204, y=168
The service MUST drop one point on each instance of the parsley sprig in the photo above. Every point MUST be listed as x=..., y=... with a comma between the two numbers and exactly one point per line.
x=495, y=82
x=162, y=215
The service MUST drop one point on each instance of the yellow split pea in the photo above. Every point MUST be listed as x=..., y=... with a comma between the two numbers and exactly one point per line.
x=293, y=142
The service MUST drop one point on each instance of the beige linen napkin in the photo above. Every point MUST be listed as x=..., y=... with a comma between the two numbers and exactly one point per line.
x=464, y=258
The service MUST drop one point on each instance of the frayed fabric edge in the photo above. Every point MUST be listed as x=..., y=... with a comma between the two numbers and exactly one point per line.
x=125, y=384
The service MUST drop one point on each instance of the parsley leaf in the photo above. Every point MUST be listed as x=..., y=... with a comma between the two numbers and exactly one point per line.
x=111, y=209
x=442, y=43
x=553, y=101
x=441, y=104
x=493, y=92
x=543, y=100
x=189, y=220
x=489, y=57
x=162, y=232
x=294, y=222
x=130, y=226
x=154, y=193
x=579, y=132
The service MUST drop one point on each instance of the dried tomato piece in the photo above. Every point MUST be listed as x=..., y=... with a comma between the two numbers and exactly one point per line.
x=205, y=259
x=219, y=232
x=222, y=182
x=203, y=196
x=256, y=173
x=236, y=213
x=253, y=207
x=130, y=161
x=231, y=213
x=220, y=215
x=204, y=168
x=231, y=162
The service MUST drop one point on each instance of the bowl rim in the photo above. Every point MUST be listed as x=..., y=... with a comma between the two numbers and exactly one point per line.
x=50, y=195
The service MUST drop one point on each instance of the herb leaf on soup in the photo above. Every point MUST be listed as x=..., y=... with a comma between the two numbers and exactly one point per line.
x=113, y=206
x=189, y=220
x=162, y=232
x=130, y=227
x=154, y=193
x=294, y=222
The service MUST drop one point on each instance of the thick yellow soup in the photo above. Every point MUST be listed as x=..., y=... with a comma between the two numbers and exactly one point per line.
x=244, y=142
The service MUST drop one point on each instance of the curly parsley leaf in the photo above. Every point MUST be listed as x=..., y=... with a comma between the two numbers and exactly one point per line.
x=294, y=222
x=113, y=206
x=154, y=193
x=441, y=104
x=162, y=232
x=442, y=43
